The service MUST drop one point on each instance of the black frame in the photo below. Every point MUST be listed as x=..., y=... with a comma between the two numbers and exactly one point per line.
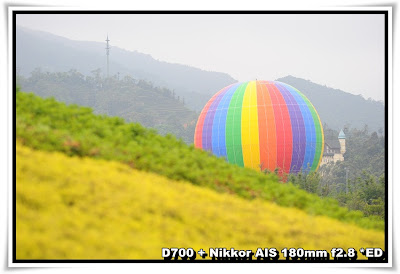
x=14, y=85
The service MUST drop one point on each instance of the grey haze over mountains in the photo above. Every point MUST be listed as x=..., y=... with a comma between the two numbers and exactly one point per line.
x=54, y=53
x=36, y=49
x=338, y=109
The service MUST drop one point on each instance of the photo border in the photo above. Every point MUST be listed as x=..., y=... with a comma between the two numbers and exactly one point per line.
x=387, y=11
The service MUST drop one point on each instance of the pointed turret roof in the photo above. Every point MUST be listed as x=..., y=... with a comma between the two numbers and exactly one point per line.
x=342, y=135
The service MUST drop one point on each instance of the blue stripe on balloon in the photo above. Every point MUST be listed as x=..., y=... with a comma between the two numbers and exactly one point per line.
x=208, y=121
x=219, y=123
x=309, y=128
x=298, y=132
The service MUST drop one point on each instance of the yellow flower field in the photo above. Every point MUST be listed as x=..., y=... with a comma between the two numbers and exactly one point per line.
x=82, y=208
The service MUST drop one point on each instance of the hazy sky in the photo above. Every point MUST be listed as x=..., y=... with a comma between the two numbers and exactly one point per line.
x=340, y=51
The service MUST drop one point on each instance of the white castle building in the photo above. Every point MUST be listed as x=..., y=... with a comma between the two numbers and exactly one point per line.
x=334, y=149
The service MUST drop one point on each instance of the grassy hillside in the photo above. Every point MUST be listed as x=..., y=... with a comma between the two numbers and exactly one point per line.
x=82, y=208
x=49, y=125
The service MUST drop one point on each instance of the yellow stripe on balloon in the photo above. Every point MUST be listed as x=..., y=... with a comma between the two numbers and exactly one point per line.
x=250, y=139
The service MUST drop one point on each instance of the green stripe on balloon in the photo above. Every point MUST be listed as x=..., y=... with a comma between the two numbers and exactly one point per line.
x=318, y=133
x=234, y=127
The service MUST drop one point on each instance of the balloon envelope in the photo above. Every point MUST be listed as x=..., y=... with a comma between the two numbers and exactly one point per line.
x=262, y=125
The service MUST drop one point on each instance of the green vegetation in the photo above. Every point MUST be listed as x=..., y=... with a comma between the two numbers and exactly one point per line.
x=358, y=182
x=46, y=124
x=133, y=100
x=82, y=208
x=310, y=182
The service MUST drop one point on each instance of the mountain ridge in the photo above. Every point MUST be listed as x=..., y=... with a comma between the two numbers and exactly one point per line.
x=337, y=109
x=64, y=54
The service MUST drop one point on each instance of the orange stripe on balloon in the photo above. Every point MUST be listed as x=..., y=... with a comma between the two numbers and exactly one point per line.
x=283, y=130
x=267, y=130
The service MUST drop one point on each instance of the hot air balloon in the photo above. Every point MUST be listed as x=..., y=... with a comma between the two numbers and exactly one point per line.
x=263, y=125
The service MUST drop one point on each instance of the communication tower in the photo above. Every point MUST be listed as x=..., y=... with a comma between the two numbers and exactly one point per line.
x=107, y=53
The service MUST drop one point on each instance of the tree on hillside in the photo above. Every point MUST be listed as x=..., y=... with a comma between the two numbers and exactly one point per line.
x=134, y=100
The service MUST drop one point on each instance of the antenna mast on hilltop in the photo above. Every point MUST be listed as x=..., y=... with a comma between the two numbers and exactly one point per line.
x=107, y=53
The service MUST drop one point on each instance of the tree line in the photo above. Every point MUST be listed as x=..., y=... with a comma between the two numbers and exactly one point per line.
x=134, y=100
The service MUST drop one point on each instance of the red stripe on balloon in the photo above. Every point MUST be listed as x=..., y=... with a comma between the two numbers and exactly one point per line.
x=198, y=134
x=266, y=128
x=283, y=129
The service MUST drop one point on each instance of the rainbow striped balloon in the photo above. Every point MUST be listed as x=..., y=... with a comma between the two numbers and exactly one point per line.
x=262, y=125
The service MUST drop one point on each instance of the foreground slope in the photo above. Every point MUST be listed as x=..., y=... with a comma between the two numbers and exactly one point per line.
x=49, y=125
x=82, y=208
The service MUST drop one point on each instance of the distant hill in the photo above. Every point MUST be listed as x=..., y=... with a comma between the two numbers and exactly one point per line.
x=36, y=49
x=338, y=109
